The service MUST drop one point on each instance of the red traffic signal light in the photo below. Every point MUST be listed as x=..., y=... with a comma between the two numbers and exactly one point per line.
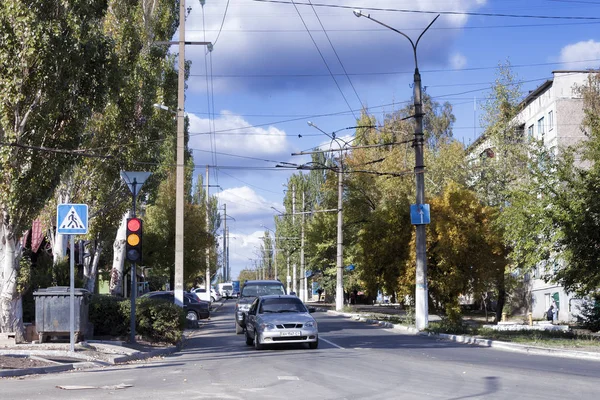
x=133, y=242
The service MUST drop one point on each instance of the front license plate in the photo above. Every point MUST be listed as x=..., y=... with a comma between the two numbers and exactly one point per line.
x=293, y=333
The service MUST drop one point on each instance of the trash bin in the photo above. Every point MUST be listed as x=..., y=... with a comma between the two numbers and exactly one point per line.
x=52, y=312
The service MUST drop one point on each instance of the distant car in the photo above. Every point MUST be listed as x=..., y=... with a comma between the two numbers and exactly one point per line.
x=194, y=308
x=250, y=291
x=280, y=319
x=226, y=290
x=201, y=294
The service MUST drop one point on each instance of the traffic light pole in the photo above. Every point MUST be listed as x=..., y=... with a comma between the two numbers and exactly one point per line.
x=134, y=180
x=133, y=293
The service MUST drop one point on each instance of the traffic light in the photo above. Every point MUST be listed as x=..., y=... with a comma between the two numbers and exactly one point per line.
x=133, y=247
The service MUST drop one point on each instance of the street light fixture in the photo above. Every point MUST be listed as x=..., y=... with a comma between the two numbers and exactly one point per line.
x=421, y=290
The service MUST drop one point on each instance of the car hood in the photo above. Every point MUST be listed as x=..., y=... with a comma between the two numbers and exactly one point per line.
x=284, y=318
x=246, y=299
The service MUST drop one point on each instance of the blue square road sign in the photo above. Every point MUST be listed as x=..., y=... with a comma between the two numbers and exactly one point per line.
x=72, y=219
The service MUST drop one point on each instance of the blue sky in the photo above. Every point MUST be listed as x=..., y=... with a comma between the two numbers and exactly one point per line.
x=278, y=64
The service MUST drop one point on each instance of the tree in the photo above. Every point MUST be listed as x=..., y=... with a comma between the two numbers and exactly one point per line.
x=464, y=249
x=159, y=237
x=502, y=155
x=57, y=65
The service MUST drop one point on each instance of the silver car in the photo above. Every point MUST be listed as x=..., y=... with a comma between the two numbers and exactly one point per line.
x=280, y=319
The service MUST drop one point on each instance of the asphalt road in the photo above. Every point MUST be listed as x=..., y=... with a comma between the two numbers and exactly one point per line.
x=354, y=361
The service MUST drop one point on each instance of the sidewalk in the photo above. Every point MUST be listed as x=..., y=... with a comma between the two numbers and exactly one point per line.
x=362, y=310
x=41, y=358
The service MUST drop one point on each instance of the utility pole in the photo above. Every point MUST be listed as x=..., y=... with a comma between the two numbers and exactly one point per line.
x=421, y=290
x=180, y=175
x=302, y=265
x=227, y=258
x=339, y=289
x=225, y=277
x=207, y=230
x=287, y=286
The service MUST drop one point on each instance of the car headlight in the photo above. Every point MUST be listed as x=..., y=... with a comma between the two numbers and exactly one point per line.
x=244, y=307
x=311, y=324
x=267, y=327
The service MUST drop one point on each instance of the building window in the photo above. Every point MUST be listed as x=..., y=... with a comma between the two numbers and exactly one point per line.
x=550, y=120
x=530, y=131
x=541, y=129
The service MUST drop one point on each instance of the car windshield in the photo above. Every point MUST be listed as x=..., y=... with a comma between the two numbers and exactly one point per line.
x=282, y=305
x=262, y=290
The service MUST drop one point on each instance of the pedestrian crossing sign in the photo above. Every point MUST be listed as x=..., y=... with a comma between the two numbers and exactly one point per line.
x=72, y=219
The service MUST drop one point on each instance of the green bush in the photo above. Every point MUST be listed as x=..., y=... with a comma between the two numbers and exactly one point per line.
x=108, y=315
x=589, y=316
x=157, y=320
x=160, y=320
x=448, y=326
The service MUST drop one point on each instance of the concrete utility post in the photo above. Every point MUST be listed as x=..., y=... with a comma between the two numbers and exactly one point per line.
x=180, y=176
x=339, y=288
x=207, y=277
x=421, y=290
x=302, y=264
x=225, y=277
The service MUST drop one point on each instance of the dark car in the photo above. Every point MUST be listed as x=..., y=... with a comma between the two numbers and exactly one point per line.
x=194, y=308
x=250, y=291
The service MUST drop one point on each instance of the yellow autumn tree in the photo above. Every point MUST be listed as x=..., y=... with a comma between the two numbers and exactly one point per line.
x=464, y=250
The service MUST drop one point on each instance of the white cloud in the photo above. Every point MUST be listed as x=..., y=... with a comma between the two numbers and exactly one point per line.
x=244, y=202
x=578, y=55
x=259, y=41
x=234, y=135
x=458, y=61
x=243, y=250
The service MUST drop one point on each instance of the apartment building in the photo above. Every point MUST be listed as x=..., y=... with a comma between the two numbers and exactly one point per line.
x=552, y=114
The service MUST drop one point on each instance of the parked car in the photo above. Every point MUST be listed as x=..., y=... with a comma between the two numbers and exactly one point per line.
x=201, y=293
x=250, y=291
x=280, y=319
x=194, y=308
x=225, y=289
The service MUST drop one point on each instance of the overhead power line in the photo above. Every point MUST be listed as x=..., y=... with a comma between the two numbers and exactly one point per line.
x=402, y=10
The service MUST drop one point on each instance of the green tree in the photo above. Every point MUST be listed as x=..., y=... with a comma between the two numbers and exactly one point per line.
x=159, y=237
x=57, y=68
x=500, y=156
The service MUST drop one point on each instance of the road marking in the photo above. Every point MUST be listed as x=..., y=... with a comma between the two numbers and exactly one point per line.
x=288, y=378
x=331, y=343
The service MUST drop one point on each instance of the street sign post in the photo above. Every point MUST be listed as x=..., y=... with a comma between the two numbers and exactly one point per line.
x=72, y=219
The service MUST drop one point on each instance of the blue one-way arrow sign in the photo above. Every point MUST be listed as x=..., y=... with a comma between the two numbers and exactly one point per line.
x=419, y=214
x=72, y=219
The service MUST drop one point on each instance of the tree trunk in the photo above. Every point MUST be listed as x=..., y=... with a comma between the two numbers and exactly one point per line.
x=59, y=246
x=91, y=267
x=501, y=287
x=116, y=274
x=11, y=310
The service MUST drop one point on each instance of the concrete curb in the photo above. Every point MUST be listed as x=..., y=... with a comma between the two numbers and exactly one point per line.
x=496, y=344
x=37, y=370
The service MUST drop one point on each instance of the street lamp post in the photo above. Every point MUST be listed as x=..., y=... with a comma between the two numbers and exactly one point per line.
x=421, y=290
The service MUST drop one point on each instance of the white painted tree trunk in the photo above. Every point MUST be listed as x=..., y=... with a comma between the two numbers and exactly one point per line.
x=116, y=274
x=90, y=267
x=11, y=310
x=59, y=247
